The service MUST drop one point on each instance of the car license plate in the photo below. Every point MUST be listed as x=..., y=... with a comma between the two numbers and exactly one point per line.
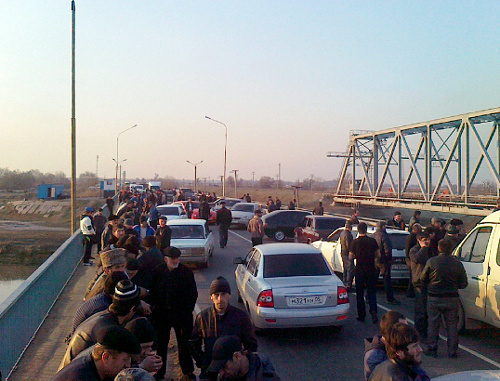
x=306, y=300
x=399, y=267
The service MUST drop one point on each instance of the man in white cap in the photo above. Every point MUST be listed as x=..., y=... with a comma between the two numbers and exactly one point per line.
x=88, y=230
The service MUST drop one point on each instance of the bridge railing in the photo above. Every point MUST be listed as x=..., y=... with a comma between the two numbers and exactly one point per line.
x=24, y=311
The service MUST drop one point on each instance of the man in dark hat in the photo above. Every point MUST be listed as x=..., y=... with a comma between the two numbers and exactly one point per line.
x=452, y=235
x=224, y=218
x=163, y=234
x=173, y=297
x=113, y=351
x=146, y=335
x=101, y=301
x=221, y=319
x=232, y=363
x=150, y=258
x=122, y=309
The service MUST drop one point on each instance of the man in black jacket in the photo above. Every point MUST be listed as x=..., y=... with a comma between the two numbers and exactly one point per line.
x=173, y=297
x=385, y=261
x=443, y=276
x=419, y=255
x=107, y=359
x=365, y=250
x=221, y=319
x=410, y=242
x=163, y=234
x=224, y=218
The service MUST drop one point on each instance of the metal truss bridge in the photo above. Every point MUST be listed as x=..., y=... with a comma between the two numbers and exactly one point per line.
x=450, y=164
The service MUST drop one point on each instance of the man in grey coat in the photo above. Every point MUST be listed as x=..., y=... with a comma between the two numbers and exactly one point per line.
x=385, y=261
x=345, y=241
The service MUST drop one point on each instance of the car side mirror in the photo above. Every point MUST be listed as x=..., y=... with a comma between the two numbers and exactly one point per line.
x=238, y=261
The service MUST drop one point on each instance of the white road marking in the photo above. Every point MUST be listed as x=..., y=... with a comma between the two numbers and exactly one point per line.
x=239, y=235
x=471, y=351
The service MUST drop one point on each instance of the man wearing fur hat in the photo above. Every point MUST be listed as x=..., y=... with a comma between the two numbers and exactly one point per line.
x=173, y=297
x=122, y=309
x=222, y=319
x=111, y=261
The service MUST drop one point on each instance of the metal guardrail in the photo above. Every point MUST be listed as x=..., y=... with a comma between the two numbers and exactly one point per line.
x=25, y=310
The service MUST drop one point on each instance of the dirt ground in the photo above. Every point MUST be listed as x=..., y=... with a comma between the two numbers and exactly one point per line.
x=30, y=231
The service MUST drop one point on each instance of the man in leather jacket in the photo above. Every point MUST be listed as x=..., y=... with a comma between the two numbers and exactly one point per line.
x=443, y=276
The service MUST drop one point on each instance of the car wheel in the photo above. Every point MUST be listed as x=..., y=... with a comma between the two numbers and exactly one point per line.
x=279, y=236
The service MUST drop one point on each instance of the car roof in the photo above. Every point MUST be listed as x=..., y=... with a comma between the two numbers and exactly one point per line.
x=274, y=213
x=493, y=218
x=287, y=248
x=325, y=217
x=248, y=203
x=169, y=206
x=186, y=221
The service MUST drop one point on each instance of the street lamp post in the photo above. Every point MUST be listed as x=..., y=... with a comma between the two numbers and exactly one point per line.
x=119, y=165
x=225, y=157
x=195, y=178
x=117, y=158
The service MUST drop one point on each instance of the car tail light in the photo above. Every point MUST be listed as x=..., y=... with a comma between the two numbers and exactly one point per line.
x=265, y=299
x=342, y=296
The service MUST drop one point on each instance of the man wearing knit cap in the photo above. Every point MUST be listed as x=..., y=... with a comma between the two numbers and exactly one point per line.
x=221, y=319
x=125, y=302
x=112, y=354
x=148, y=261
x=112, y=260
x=173, y=297
x=101, y=301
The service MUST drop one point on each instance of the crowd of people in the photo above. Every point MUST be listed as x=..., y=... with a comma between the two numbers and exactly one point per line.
x=435, y=278
x=139, y=293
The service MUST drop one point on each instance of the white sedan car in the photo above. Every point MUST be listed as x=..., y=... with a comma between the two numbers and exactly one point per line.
x=331, y=251
x=285, y=285
x=243, y=212
x=193, y=239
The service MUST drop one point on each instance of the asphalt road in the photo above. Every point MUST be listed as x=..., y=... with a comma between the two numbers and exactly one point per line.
x=329, y=354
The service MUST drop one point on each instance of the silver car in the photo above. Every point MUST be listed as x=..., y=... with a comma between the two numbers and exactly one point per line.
x=285, y=285
x=193, y=239
x=243, y=212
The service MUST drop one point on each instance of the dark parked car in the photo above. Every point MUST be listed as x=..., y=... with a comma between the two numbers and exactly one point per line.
x=314, y=228
x=280, y=224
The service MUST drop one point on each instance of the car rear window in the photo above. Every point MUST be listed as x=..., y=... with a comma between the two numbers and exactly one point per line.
x=187, y=231
x=286, y=265
x=168, y=211
x=329, y=223
x=398, y=241
x=243, y=208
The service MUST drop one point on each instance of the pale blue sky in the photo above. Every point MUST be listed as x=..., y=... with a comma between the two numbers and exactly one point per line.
x=289, y=78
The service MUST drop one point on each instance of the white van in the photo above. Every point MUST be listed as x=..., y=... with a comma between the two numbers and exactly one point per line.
x=480, y=255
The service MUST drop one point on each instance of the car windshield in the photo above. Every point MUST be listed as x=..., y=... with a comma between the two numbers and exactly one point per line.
x=242, y=208
x=328, y=223
x=187, y=231
x=168, y=210
x=287, y=265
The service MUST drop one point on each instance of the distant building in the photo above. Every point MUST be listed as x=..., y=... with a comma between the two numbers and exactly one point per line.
x=45, y=191
x=107, y=188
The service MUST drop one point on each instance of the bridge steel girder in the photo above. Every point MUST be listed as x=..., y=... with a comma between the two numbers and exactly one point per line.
x=431, y=165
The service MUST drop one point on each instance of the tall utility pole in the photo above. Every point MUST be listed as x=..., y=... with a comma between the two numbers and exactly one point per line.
x=73, y=122
x=279, y=175
x=253, y=180
x=235, y=171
